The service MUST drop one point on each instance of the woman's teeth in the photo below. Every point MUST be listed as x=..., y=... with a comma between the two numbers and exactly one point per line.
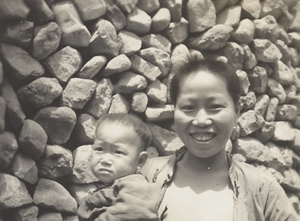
x=203, y=137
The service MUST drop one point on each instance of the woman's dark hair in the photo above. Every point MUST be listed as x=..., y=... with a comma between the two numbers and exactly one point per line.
x=129, y=120
x=193, y=64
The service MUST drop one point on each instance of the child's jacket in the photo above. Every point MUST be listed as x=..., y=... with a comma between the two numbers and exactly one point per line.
x=130, y=198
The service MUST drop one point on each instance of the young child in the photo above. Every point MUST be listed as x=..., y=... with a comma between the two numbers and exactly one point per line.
x=118, y=154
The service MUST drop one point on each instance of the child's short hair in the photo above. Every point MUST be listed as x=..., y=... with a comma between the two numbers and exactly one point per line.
x=135, y=122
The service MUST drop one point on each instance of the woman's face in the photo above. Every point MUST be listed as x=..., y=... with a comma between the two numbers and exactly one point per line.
x=204, y=113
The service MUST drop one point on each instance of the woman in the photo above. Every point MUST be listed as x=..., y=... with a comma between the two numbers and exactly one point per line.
x=202, y=182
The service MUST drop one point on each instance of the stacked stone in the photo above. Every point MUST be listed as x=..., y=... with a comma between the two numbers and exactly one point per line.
x=65, y=63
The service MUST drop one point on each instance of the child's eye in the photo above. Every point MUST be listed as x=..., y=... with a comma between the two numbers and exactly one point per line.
x=99, y=149
x=119, y=152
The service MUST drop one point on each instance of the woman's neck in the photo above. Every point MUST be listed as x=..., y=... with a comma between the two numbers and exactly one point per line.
x=216, y=163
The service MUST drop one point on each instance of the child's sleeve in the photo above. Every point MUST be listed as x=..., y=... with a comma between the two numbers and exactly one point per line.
x=93, y=205
x=136, y=199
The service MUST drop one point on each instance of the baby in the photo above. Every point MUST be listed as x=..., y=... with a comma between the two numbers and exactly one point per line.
x=118, y=154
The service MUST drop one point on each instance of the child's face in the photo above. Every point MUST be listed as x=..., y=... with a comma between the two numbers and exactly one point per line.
x=116, y=152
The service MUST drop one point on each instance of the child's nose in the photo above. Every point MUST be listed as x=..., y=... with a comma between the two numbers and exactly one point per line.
x=106, y=160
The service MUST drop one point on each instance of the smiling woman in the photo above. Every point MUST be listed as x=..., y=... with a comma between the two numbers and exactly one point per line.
x=202, y=181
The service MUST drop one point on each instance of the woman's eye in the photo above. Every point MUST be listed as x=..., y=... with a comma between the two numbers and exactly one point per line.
x=187, y=108
x=216, y=107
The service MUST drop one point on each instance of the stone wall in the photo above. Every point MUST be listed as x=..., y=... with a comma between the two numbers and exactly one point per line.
x=65, y=63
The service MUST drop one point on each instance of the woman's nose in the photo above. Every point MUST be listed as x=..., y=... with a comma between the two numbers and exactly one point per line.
x=202, y=119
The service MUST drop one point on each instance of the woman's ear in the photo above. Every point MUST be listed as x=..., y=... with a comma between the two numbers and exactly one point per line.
x=142, y=159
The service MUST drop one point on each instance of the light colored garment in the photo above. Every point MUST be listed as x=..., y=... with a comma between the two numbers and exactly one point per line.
x=257, y=195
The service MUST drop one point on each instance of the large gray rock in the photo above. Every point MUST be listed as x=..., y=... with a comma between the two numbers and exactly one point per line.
x=250, y=122
x=130, y=82
x=28, y=213
x=84, y=131
x=250, y=60
x=104, y=40
x=213, y=39
x=40, y=92
x=265, y=50
x=230, y=16
x=119, y=104
x=251, y=8
x=126, y=5
x=266, y=28
x=262, y=104
x=13, y=10
x=40, y=11
x=115, y=15
x=18, y=33
x=157, y=41
x=25, y=168
x=145, y=68
x=274, y=89
x=74, y=33
x=201, y=15
x=82, y=172
x=283, y=131
x=158, y=113
x=234, y=54
x=50, y=194
x=78, y=92
x=166, y=142
x=13, y=192
x=90, y=9
x=283, y=74
x=46, y=40
x=32, y=139
x=139, y=102
x=175, y=8
x=157, y=92
x=258, y=78
x=149, y=6
x=58, y=123
x=272, y=109
x=244, y=32
x=8, y=148
x=247, y=101
x=138, y=22
x=56, y=162
x=177, y=32
x=131, y=42
x=116, y=65
x=92, y=67
x=23, y=66
x=157, y=57
x=286, y=112
x=160, y=20
x=46, y=216
x=100, y=102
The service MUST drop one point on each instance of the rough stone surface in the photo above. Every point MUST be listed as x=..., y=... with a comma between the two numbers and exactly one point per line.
x=13, y=192
x=78, y=92
x=157, y=41
x=258, y=78
x=244, y=32
x=22, y=65
x=100, y=102
x=251, y=7
x=64, y=63
x=283, y=131
x=91, y=9
x=138, y=22
x=249, y=122
x=275, y=89
x=28, y=213
x=267, y=28
x=32, y=139
x=56, y=162
x=161, y=20
x=265, y=50
x=157, y=92
x=230, y=16
x=2, y=114
x=131, y=42
x=213, y=39
x=74, y=33
x=119, y=104
x=165, y=141
x=159, y=113
x=46, y=40
x=8, y=147
x=201, y=14
x=82, y=172
x=117, y=65
x=58, y=123
x=40, y=92
x=24, y=168
x=130, y=82
x=104, y=39
x=139, y=102
x=52, y=195
x=92, y=67
x=84, y=130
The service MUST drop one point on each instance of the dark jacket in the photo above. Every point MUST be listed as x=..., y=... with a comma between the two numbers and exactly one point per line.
x=130, y=198
x=257, y=195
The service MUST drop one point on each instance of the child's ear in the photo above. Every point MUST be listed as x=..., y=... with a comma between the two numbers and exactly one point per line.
x=142, y=159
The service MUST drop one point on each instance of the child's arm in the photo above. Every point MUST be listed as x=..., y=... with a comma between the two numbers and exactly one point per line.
x=95, y=204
